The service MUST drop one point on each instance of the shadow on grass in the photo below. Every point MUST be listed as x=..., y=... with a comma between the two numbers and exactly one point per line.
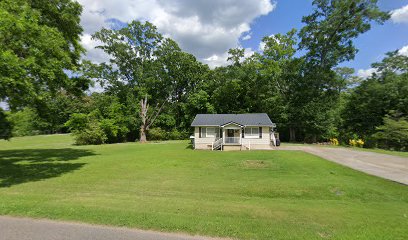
x=28, y=165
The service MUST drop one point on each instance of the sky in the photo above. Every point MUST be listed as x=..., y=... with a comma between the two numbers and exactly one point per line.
x=208, y=28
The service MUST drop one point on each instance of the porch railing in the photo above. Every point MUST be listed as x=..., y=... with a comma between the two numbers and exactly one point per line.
x=232, y=140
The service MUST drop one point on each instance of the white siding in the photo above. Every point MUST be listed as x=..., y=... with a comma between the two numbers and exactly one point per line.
x=265, y=140
x=199, y=140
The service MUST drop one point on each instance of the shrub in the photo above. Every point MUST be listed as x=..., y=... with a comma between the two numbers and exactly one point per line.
x=334, y=141
x=113, y=131
x=77, y=122
x=175, y=135
x=356, y=142
x=26, y=122
x=393, y=134
x=92, y=134
x=157, y=134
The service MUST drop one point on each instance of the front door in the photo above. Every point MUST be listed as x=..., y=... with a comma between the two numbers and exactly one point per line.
x=230, y=132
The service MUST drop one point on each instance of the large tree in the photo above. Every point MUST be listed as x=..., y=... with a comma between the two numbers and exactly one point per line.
x=39, y=40
x=145, y=68
x=384, y=93
x=327, y=39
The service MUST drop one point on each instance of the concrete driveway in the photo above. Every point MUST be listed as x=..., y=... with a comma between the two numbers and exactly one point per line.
x=382, y=165
x=12, y=228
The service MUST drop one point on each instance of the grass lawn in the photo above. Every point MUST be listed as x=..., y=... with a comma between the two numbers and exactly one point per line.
x=376, y=150
x=169, y=187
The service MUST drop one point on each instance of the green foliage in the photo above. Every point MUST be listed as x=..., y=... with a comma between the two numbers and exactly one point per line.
x=328, y=39
x=77, y=122
x=52, y=34
x=329, y=30
x=93, y=134
x=384, y=93
x=157, y=134
x=5, y=126
x=106, y=122
x=26, y=122
x=393, y=134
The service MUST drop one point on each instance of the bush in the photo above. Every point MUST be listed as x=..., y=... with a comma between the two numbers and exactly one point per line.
x=356, y=143
x=26, y=122
x=77, y=122
x=334, y=141
x=157, y=134
x=113, y=131
x=393, y=134
x=92, y=135
x=175, y=135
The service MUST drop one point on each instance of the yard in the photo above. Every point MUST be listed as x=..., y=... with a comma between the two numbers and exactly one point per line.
x=169, y=187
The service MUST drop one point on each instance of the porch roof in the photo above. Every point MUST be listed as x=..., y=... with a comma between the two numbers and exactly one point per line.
x=246, y=119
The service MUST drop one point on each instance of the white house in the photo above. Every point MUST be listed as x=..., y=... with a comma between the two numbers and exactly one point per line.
x=233, y=131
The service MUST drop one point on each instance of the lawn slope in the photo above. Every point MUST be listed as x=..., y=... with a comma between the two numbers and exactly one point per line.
x=169, y=187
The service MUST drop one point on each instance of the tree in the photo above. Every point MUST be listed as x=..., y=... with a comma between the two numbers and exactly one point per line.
x=5, y=126
x=328, y=39
x=393, y=134
x=383, y=93
x=145, y=68
x=282, y=70
x=39, y=40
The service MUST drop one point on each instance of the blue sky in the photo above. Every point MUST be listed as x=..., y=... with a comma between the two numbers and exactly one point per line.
x=372, y=45
x=208, y=28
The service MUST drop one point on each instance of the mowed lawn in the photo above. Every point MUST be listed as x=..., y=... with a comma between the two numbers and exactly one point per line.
x=170, y=187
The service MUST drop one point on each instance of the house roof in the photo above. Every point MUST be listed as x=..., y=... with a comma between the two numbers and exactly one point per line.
x=247, y=119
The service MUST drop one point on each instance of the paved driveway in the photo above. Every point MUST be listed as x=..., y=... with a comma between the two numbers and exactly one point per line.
x=29, y=229
x=382, y=165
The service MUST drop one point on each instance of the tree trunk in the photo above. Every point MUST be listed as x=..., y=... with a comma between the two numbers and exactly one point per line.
x=142, y=134
x=143, y=116
x=292, y=134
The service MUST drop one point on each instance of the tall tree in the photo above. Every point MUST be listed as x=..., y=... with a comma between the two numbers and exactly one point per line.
x=328, y=39
x=146, y=68
x=385, y=92
x=39, y=40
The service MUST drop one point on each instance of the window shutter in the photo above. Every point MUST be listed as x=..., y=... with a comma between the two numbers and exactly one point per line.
x=199, y=132
x=243, y=132
x=221, y=130
x=260, y=132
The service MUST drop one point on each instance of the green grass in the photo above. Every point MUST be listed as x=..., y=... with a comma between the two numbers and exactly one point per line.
x=376, y=150
x=169, y=187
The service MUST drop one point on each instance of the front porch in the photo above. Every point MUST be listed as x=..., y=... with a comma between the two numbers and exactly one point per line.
x=232, y=133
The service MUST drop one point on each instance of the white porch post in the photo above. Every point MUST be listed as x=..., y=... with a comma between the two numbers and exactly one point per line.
x=223, y=135
x=240, y=136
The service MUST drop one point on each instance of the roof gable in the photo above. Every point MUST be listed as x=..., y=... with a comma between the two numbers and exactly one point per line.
x=246, y=119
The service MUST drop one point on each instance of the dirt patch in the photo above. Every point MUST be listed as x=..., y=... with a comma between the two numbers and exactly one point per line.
x=254, y=164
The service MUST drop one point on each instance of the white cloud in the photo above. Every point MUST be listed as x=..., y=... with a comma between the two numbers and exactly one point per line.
x=400, y=15
x=93, y=54
x=246, y=37
x=221, y=59
x=366, y=73
x=205, y=28
x=4, y=105
x=262, y=46
x=404, y=51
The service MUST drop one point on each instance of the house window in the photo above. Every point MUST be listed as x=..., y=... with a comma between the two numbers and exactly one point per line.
x=252, y=132
x=208, y=132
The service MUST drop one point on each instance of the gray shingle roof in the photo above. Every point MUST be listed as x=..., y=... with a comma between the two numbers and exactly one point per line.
x=247, y=119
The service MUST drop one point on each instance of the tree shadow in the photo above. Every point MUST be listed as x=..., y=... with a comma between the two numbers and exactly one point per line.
x=28, y=165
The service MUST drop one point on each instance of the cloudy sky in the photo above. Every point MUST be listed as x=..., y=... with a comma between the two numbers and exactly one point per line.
x=208, y=28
